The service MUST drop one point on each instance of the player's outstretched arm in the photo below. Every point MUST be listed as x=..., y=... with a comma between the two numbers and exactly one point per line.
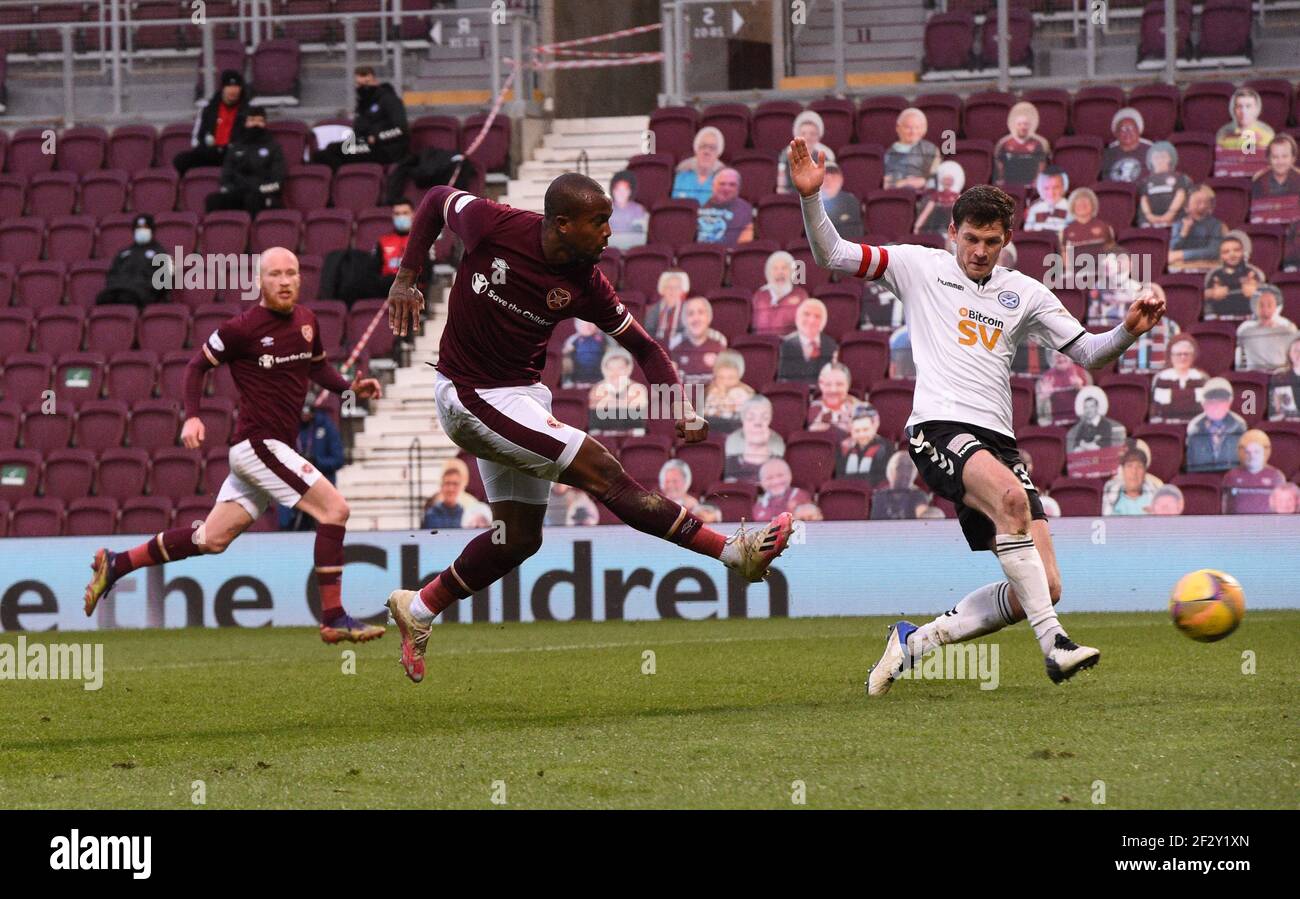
x=1098, y=350
x=193, y=432
x=659, y=370
x=405, y=301
x=830, y=251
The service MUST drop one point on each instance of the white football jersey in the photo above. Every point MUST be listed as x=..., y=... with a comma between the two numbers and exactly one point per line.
x=964, y=335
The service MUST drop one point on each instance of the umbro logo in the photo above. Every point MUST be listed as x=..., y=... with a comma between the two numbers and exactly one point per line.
x=950, y=284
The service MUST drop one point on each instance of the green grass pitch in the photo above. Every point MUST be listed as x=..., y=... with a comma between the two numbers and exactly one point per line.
x=737, y=711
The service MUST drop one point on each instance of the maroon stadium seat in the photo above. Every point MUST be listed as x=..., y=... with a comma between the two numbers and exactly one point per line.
x=122, y=473
x=1195, y=154
x=1020, y=31
x=1022, y=401
x=163, y=327
x=789, y=406
x=779, y=217
x=26, y=154
x=52, y=193
x=1151, y=33
x=131, y=148
x=654, y=177
x=815, y=276
x=748, y=261
x=705, y=264
x=208, y=318
x=642, y=457
x=891, y=213
x=111, y=329
x=1217, y=346
x=101, y=424
x=309, y=267
x=838, y=116
x=863, y=167
x=21, y=239
x=78, y=377
x=1047, y=447
x=13, y=195
x=1225, y=29
x=731, y=312
x=674, y=130
x=1206, y=105
x=845, y=499
x=1053, y=105
x=216, y=467
x=154, y=423
x=1285, y=438
x=811, y=456
x=192, y=510
x=642, y=267
x=331, y=315
x=976, y=160
x=843, y=308
x=611, y=265
x=1250, y=395
x=877, y=117
x=307, y=187
x=294, y=138
x=91, y=515
x=1092, y=111
x=276, y=228
x=1148, y=242
x=1077, y=497
x=735, y=500
x=175, y=472
x=85, y=280
x=15, y=331
x=706, y=461
x=893, y=400
x=733, y=120
x=82, y=149
x=37, y=517
x=1199, y=497
x=276, y=64
x=1275, y=94
x=218, y=416
x=11, y=424
x=866, y=353
x=372, y=223
x=436, y=132
x=69, y=474
x=327, y=230
x=1080, y=157
x=1128, y=395
x=772, y=125
x=758, y=171
x=40, y=284
x=1118, y=202
x=47, y=427
x=493, y=154
x=1166, y=442
x=1032, y=251
x=114, y=234
x=357, y=186
x=361, y=313
x=25, y=376
x=70, y=239
x=173, y=139
x=1266, y=242
x=20, y=472
x=1158, y=104
x=1231, y=200
x=761, y=356
x=178, y=229
x=154, y=190
x=224, y=232
x=942, y=115
x=145, y=515
x=985, y=115
x=949, y=42
x=133, y=374
x=673, y=222
x=58, y=329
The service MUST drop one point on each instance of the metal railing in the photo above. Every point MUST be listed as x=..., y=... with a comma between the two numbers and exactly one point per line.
x=415, y=482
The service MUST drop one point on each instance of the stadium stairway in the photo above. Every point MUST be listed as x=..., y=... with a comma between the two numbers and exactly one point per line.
x=608, y=142
x=378, y=481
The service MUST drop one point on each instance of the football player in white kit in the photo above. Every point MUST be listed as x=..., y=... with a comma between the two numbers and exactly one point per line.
x=966, y=317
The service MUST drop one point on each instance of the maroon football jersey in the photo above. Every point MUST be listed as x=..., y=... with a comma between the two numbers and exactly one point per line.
x=270, y=356
x=506, y=300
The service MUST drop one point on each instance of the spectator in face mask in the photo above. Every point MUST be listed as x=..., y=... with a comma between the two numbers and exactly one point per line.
x=391, y=246
x=218, y=125
x=134, y=278
x=254, y=170
x=379, y=126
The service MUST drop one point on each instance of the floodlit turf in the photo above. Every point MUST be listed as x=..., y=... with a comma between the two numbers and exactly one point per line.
x=736, y=712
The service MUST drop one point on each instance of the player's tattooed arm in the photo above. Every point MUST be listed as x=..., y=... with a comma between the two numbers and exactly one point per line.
x=405, y=303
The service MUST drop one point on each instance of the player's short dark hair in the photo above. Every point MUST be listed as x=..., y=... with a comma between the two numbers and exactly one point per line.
x=569, y=195
x=984, y=205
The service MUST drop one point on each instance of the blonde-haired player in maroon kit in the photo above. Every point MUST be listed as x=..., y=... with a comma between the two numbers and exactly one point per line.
x=273, y=350
x=522, y=273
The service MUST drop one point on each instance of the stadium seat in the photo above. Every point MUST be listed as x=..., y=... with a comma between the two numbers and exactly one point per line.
x=642, y=267
x=1184, y=298
x=275, y=70
x=1231, y=200
x=642, y=457
x=789, y=406
x=611, y=265
x=173, y=140
x=1266, y=242
x=132, y=374
x=942, y=115
x=68, y=474
x=21, y=239
x=1199, y=497
x=82, y=149
x=845, y=499
x=1077, y=497
x=1020, y=31
x=85, y=280
x=772, y=125
x=1080, y=157
x=893, y=400
x=26, y=154
x=175, y=472
x=195, y=187
x=760, y=352
x=208, y=318
x=1166, y=442
x=294, y=137
x=779, y=217
x=654, y=177
x=815, y=276
x=122, y=473
x=70, y=238
x=1276, y=97
x=40, y=284
x=1151, y=31
x=331, y=316
x=58, y=329
x=877, y=118
x=890, y=213
x=357, y=186
x=866, y=353
x=360, y=315
x=1150, y=243
x=78, y=377
x=733, y=120
x=36, y=517
x=435, y=132
x=372, y=223
x=131, y=148
x=838, y=116
x=1158, y=104
x=1206, y=105
x=111, y=329
x=1217, y=346
x=949, y=42
x=13, y=195
x=15, y=331
x=154, y=190
x=1128, y=395
x=218, y=416
x=673, y=222
x=1053, y=105
x=101, y=424
x=1047, y=446
x=843, y=302
x=190, y=511
x=863, y=167
x=976, y=159
x=758, y=174
x=985, y=115
x=1285, y=438
x=327, y=230
x=811, y=456
x=1092, y=111
x=1249, y=395
x=307, y=187
x=20, y=474
x=1225, y=30
x=47, y=426
x=731, y=312
x=674, y=130
x=52, y=193
x=276, y=228
x=90, y=515
x=178, y=229
x=224, y=232
x=705, y=264
x=216, y=468
x=735, y=500
x=11, y=424
x=145, y=515
x=154, y=424
x=25, y=376
x=1022, y=401
x=493, y=154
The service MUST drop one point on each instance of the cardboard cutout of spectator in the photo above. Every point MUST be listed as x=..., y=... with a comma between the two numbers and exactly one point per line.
x=1056, y=389
x=864, y=454
x=1284, y=500
x=694, y=178
x=808, y=512
x=1195, y=236
x=835, y=408
x=1167, y=501
x=451, y=507
x=695, y=349
x=1125, y=158
x=1050, y=212
x=1231, y=287
x=727, y=218
x=843, y=207
x=900, y=500
x=810, y=126
x=1263, y=339
x=804, y=352
x=1108, y=303
x=937, y=202
x=1247, y=488
x=1284, y=387
x=675, y=483
x=1095, y=443
x=753, y=444
x=1275, y=191
x=570, y=507
x=1084, y=233
x=777, y=301
x=1163, y=193
x=629, y=222
x=779, y=493
x=664, y=317
x=617, y=405
x=881, y=309
x=911, y=160
x=582, y=355
x=727, y=393
x=1022, y=153
x=1212, y=436
x=1132, y=490
x=1241, y=144
x=1176, y=390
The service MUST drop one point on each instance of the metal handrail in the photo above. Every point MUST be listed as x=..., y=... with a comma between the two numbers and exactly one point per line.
x=415, y=481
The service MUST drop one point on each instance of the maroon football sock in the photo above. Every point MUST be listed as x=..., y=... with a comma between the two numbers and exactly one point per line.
x=656, y=515
x=167, y=546
x=329, y=569
x=480, y=564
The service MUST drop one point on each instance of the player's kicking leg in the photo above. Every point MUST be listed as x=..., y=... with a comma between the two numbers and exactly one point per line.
x=323, y=502
x=224, y=523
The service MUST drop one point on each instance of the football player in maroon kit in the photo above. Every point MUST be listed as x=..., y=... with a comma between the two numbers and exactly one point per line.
x=521, y=274
x=273, y=350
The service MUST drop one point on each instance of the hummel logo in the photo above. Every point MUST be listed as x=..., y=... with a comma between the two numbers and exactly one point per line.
x=950, y=284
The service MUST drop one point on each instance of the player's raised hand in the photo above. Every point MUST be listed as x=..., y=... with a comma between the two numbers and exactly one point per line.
x=1147, y=309
x=692, y=428
x=192, y=433
x=405, y=304
x=366, y=388
x=806, y=173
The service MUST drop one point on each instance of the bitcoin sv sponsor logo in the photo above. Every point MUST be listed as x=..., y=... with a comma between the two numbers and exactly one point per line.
x=976, y=327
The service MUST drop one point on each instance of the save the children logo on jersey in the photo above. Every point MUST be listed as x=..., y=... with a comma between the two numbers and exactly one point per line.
x=558, y=298
x=1009, y=298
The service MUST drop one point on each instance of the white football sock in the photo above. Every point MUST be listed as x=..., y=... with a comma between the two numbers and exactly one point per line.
x=419, y=611
x=1024, y=568
x=982, y=611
